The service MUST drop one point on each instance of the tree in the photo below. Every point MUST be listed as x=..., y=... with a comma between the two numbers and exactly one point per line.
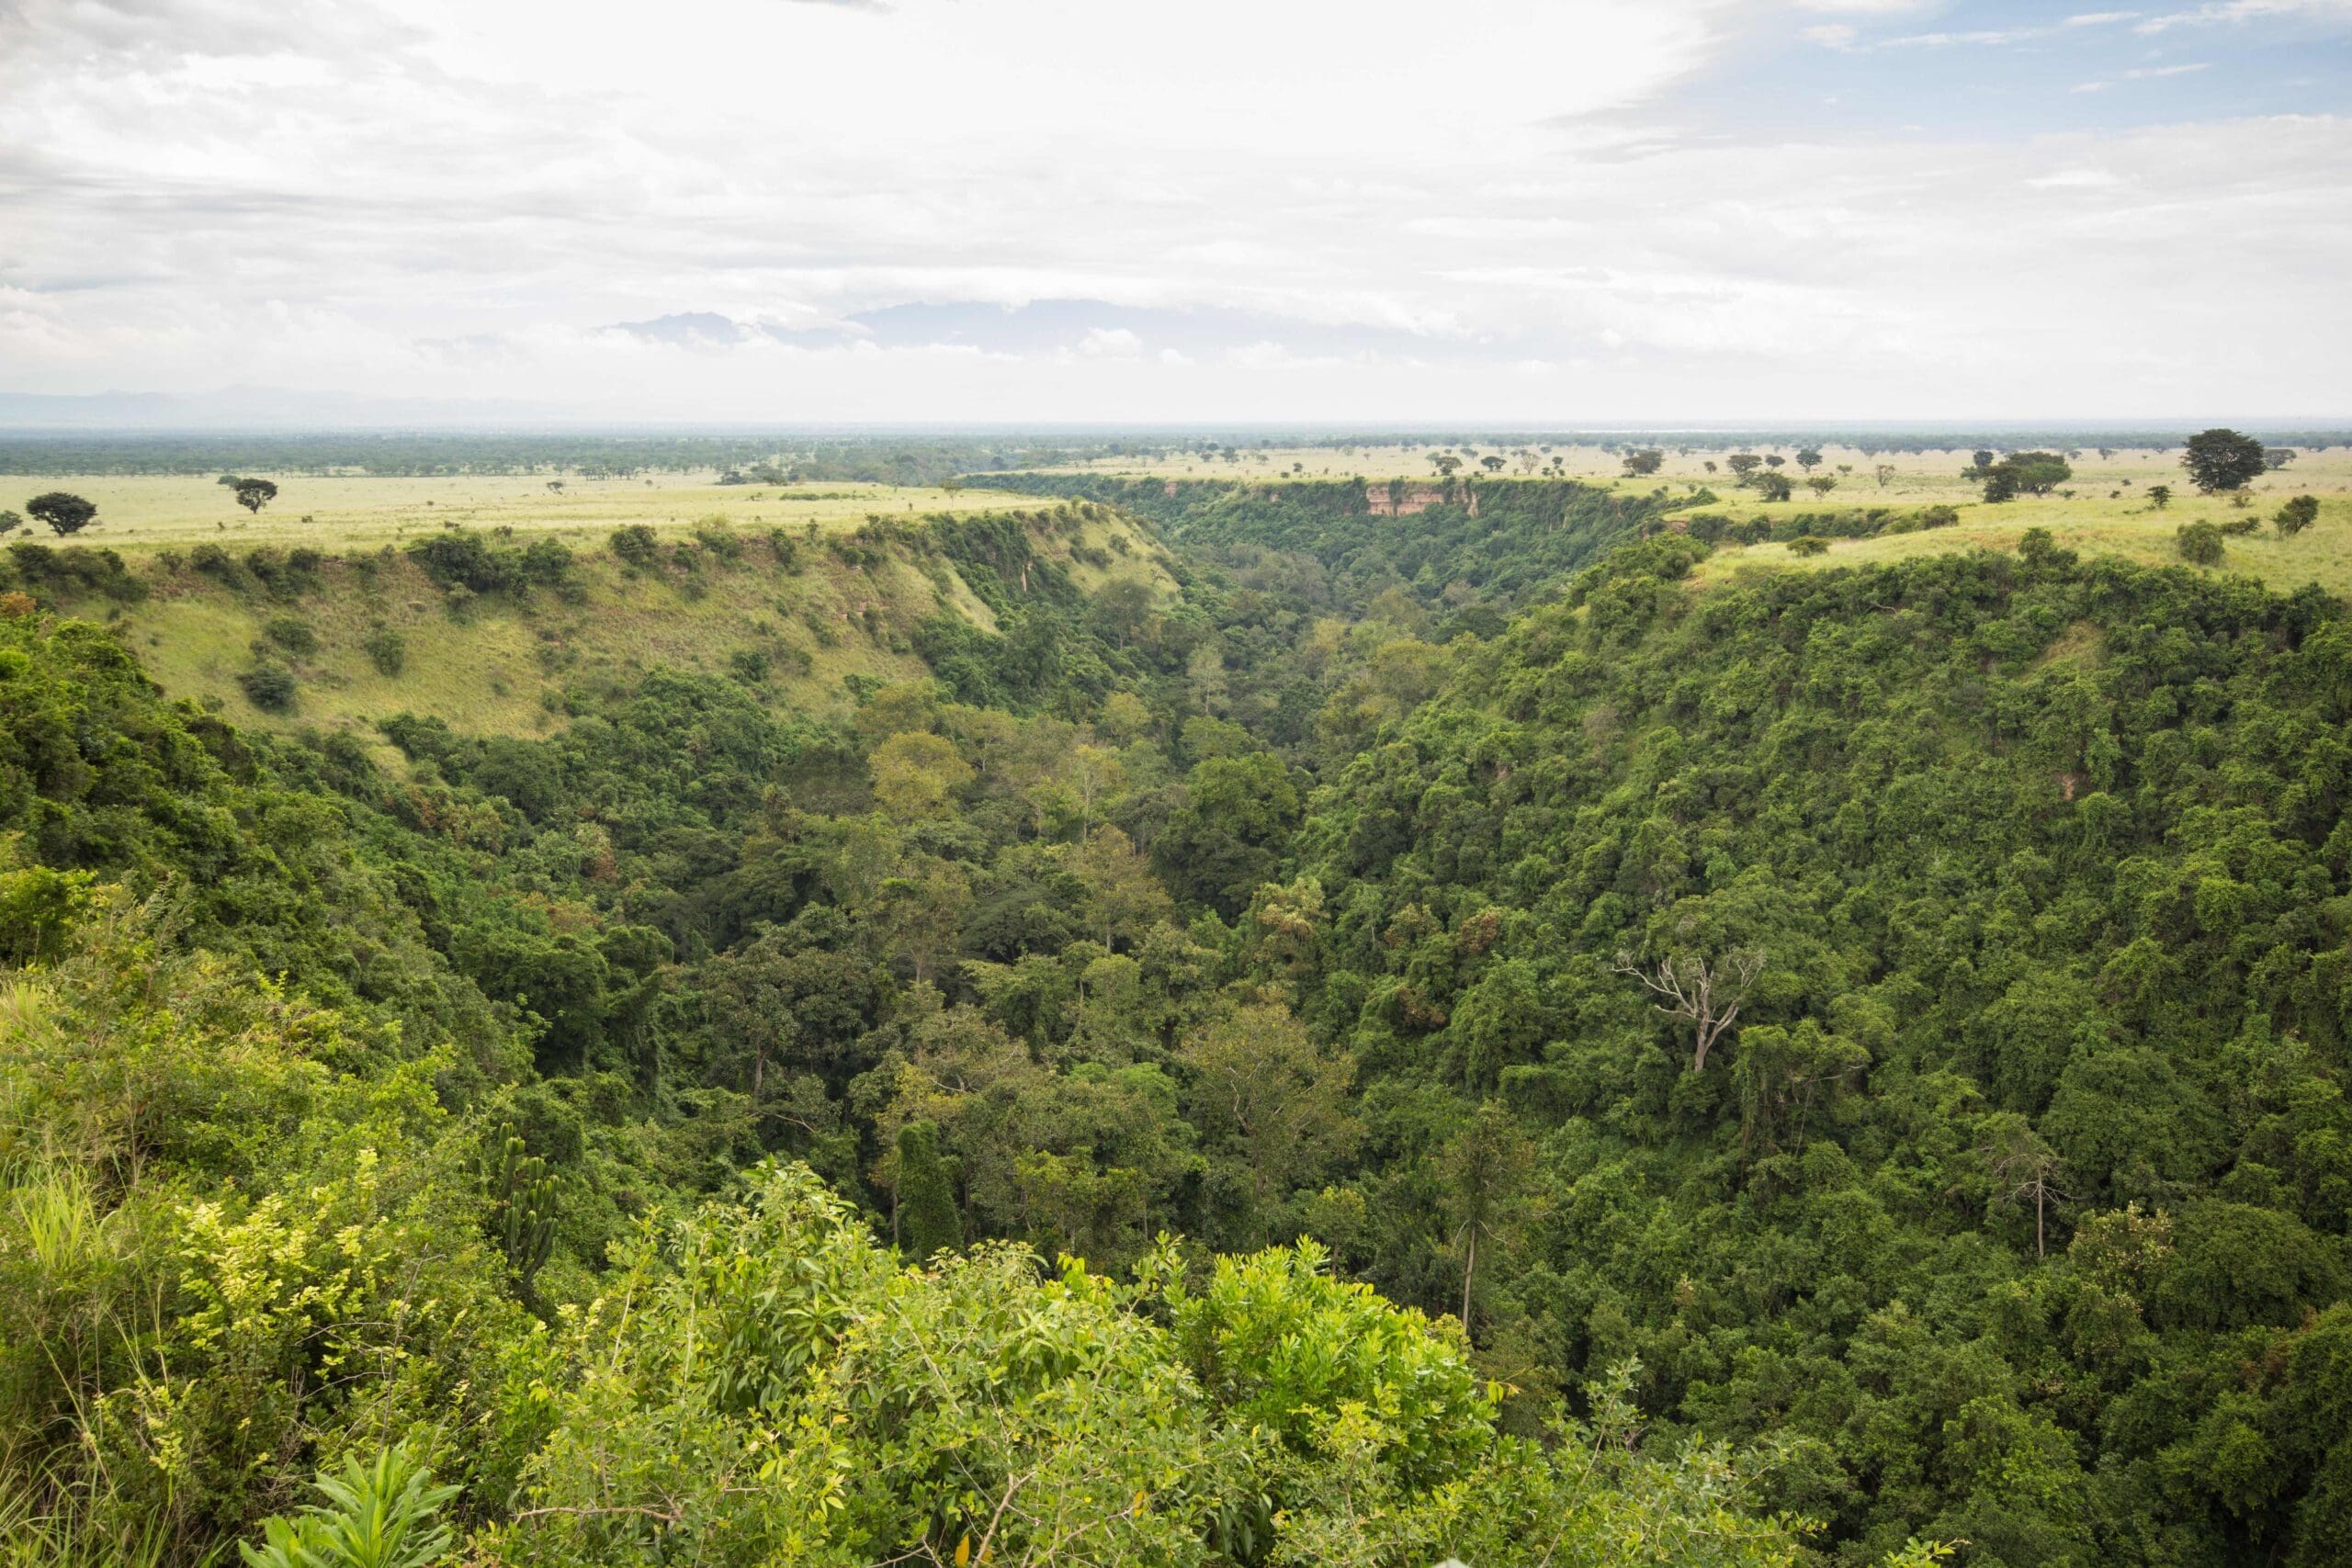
x=1743, y=464
x=2277, y=457
x=1445, y=463
x=1265, y=1097
x=10, y=522
x=1645, y=461
x=2199, y=542
x=2298, y=513
x=1809, y=458
x=1885, y=474
x=2023, y=1169
x=1773, y=459
x=1983, y=457
x=1775, y=487
x=1485, y=1168
x=1704, y=992
x=2161, y=495
x=2221, y=460
x=2027, y=473
x=63, y=512
x=1822, y=484
x=253, y=494
x=1809, y=545
x=923, y=1218
x=915, y=771
x=1493, y=465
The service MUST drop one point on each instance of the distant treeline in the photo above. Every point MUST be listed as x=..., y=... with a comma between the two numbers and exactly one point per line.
x=921, y=458
x=776, y=457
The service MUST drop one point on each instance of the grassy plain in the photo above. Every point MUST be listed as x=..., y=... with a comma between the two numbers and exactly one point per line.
x=337, y=512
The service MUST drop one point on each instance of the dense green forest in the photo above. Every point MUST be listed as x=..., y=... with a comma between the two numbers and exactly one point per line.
x=1540, y=1064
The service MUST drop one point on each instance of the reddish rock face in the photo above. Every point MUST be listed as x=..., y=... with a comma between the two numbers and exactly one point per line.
x=1411, y=499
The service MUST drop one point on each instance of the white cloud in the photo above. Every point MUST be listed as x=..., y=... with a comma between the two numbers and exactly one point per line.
x=448, y=198
x=1110, y=342
x=2247, y=11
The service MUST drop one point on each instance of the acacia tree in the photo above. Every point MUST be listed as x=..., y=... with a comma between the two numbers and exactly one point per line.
x=64, y=514
x=1809, y=458
x=2221, y=460
x=254, y=494
x=2298, y=513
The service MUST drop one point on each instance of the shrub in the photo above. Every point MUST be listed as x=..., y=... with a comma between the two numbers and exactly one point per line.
x=269, y=687
x=2199, y=542
x=291, y=633
x=1939, y=517
x=547, y=563
x=2298, y=513
x=749, y=665
x=387, y=650
x=1809, y=545
x=636, y=545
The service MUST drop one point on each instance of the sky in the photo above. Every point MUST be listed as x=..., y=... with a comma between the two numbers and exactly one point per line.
x=1118, y=210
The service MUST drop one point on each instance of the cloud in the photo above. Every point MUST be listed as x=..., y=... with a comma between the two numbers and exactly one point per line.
x=1110, y=342
x=2224, y=11
x=562, y=207
x=2144, y=73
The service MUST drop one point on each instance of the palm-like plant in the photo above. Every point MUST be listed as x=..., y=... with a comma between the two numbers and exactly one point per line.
x=375, y=1516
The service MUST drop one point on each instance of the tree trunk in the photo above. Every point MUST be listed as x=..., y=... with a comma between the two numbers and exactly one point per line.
x=1469, y=1266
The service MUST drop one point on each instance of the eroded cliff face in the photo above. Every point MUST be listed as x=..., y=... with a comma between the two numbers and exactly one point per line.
x=1404, y=500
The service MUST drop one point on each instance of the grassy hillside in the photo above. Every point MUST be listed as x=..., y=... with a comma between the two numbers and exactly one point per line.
x=834, y=600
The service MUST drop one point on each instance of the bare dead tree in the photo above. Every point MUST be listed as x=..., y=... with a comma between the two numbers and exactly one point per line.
x=1704, y=993
x=2025, y=1168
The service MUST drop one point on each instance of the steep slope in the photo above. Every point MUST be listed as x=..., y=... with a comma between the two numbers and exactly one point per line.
x=2013, y=1193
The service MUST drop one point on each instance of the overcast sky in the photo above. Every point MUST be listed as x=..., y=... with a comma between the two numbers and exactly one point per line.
x=1583, y=210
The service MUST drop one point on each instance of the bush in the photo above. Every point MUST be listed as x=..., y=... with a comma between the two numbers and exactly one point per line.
x=1809, y=545
x=636, y=545
x=2297, y=514
x=269, y=687
x=2199, y=542
x=1939, y=517
x=291, y=633
x=387, y=650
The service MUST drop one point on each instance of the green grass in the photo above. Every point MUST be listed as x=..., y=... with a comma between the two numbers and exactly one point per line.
x=346, y=512
x=500, y=665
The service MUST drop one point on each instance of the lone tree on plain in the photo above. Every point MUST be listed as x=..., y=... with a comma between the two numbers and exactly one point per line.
x=1704, y=993
x=1645, y=461
x=2277, y=457
x=2161, y=495
x=1776, y=487
x=64, y=514
x=2221, y=460
x=254, y=494
x=1743, y=464
x=1809, y=458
